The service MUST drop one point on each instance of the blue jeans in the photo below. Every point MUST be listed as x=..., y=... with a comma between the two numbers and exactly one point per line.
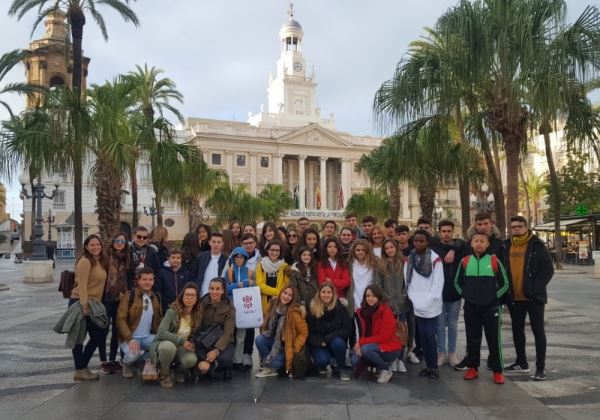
x=144, y=354
x=373, y=355
x=448, y=318
x=426, y=328
x=264, y=345
x=322, y=355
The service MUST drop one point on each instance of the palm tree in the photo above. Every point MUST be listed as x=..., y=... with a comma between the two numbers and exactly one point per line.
x=7, y=62
x=369, y=202
x=233, y=204
x=76, y=11
x=152, y=93
x=536, y=188
x=274, y=200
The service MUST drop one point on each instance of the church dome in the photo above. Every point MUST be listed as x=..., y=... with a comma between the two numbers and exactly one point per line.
x=291, y=23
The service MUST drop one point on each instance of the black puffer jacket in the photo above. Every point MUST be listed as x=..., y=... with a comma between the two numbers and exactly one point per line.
x=538, y=270
x=333, y=323
x=449, y=294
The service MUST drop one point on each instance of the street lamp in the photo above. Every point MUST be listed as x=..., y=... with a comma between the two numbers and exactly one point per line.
x=437, y=214
x=50, y=219
x=152, y=211
x=38, y=195
x=481, y=201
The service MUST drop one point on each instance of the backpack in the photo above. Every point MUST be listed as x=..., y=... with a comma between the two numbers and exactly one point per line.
x=465, y=262
x=67, y=283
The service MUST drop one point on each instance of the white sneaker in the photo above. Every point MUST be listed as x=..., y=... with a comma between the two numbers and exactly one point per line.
x=127, y=372
x=452, y=359
x=149, y=373
x=442, y=358
x=401, y=367
x=265, y=373
x=412, y=358
x=247, y=360
x=385, y=376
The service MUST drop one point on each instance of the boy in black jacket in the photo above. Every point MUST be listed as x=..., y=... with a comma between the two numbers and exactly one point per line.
x=482, y=281
x=170, y=280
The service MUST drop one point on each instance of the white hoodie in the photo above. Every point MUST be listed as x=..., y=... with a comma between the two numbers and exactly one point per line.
x=425, y=293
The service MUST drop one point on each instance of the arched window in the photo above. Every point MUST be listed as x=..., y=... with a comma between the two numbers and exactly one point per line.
x=56, y=81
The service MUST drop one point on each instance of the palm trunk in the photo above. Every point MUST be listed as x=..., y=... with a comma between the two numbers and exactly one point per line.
x=465, y=205
x=426, y=199
x=496, y=158
x=524, y=183
x=513, y=149
x=33, y=209
x=108, y=200
x=555, y=196
x=77, y=21
x=158, y=204
x=395, y=201
x=135, y=218
x=194, y=214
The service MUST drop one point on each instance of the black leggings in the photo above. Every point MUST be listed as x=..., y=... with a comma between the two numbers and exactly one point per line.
x=249, y=341
x=81, y=355
x=518, y=312
x=111, y=312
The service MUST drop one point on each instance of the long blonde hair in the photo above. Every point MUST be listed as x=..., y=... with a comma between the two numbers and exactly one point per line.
x=391, y=265
x=317, y=307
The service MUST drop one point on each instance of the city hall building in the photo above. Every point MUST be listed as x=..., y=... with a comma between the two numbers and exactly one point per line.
x=287, y=142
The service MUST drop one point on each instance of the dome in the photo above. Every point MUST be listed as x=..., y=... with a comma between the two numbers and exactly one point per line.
x=291, y=23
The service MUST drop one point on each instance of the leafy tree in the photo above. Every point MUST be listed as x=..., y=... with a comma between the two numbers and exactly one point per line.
x=275, y=199
x=369, y=202
x=228, y=203
x=7, y=62
x=76, y=11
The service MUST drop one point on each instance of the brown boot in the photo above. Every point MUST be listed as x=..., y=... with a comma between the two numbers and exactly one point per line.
x=166, y=381
x=84, y=375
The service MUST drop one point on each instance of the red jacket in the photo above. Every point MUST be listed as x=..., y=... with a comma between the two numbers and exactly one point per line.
x=383, y=329
x=340, y=277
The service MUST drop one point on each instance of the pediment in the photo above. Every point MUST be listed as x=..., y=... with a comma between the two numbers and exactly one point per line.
x=313, y=135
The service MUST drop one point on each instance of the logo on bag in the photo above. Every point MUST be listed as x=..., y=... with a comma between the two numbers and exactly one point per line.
x=247, y=302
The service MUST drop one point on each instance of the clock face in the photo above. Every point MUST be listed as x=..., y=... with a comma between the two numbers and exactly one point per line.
x=297, y=66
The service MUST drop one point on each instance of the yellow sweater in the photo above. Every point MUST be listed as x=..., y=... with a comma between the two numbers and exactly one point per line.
x=267, y=291
x=89, y=281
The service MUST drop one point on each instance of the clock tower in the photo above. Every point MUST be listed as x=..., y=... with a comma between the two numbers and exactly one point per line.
x=291, y=94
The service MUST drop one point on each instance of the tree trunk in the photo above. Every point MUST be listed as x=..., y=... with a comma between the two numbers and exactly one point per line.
x=513, y=149
x=497, y=159
x=135, y=218
x=427, y=199
x=524, y=183
x=555, y=197
x=495, y=182
x=158, y=204
x=465, y=204
x=395, y=201
x=33, y=209
x=194, y=214
x=77, y=21
x=108, y=200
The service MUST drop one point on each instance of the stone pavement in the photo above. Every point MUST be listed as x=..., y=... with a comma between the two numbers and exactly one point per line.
x=36, y=374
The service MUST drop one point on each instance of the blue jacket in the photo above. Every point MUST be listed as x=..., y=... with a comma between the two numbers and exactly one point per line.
x=169, y=283
x=240, y=273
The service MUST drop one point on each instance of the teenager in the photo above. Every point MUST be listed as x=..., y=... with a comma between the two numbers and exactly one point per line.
x=329, y=327
x=291, y=251
x=159, y=237
x=217, y=309
x=271, y=273
x=329, y=230
x=228, y=242
x=346, y=240
x=390, y=228
x=310, y=238
x=249, y=243
x=424, y=276
x=236, y=229
x=269, y=232
x=170, y=280
x=303, y=224
x=284, y=334
x=377, y=343
x=403, y=239
x=138, y=318
x=304, y=277
x=249, y=229
x=333, y=268
x=377, y=238
x=117, y=266
x=209, y=264
x=173, y=341
x=190, y=249
x=204, y=233
x=352, y=223
x=90, y=280
x=482, y=281
x=367, y=224
x=362, y=266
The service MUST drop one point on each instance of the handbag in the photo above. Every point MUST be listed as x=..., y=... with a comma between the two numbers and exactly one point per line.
x=300, y=363
x=67, y=283
x=208, y=338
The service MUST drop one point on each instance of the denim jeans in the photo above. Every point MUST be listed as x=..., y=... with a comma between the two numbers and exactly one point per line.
x=373, y=355
x=144, y=354
x=426, y=328
x=322, y=355
x=448, y=318
x=264, y=345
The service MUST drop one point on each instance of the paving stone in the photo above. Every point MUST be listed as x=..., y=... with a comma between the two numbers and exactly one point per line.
x=10, y=410
x=515, y=412
x=287, y=411
x=55, y=410
x=575, y=413
x=386, y=412
x=179, y=411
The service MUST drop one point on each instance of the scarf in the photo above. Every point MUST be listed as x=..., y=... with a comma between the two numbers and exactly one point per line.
x=368, y=313
x=276, y=324
x=270, y=267
x=420, y=263
x=521, y=239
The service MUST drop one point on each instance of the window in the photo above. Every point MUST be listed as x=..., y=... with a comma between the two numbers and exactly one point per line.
x=299, y=106
x=264, y=162
x=356, y=168
x=59, y=200
x=240, y=160
x=216, y=159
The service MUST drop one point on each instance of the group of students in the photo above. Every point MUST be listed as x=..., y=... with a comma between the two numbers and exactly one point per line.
x=335, y=299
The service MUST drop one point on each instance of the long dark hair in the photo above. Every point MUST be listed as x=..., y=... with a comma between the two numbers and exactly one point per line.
x=302, y=268
x=93, y=261
x=123, y=256
x=339, y=258
x=190, y=247
x=196, y=313
x=377, y=291
x=238, y=238
x=263, y=240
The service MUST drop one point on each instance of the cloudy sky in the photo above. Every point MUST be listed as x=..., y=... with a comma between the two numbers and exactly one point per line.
x=220, y=53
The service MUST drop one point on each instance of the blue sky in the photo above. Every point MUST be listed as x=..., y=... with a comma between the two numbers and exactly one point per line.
x=220, y=53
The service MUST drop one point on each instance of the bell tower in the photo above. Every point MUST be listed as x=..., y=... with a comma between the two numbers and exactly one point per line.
x=291, y=93
x=48, y=60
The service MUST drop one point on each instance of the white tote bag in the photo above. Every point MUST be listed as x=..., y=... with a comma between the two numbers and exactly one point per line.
x=248, y=307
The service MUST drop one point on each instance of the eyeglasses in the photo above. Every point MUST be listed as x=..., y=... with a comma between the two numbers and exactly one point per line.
x=292, y=235
x=120, y=241
x=146, y=304
x=248, y=243
x=141, y=237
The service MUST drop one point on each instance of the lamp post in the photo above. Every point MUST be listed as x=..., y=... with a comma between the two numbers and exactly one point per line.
x=39, y=245
x=151, y=211
x=437, y=214
x=50, y=219
x=481, y=201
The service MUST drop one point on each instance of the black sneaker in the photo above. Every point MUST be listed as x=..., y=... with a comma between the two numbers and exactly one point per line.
x=516, y=368
x=462, y=365
x=434, y=374
x=539, y=375
x=424, y=372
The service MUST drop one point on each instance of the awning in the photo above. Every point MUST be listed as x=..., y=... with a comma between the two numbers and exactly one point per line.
x=549, y=226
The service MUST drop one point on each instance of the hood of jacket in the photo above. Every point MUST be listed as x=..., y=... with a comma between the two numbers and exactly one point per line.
x=472, y=230
x=238, y=251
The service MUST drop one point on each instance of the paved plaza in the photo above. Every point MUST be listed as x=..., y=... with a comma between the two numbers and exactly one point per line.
x=36, y=373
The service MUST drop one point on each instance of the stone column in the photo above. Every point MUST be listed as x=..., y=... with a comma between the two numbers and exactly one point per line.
x=253, y=187
x=302, y=181
x=346, y=179
x=323, y=179
x=229, y=166
x=310, y=191
x=290, y=175
x=277, y=168
x=405, y=200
